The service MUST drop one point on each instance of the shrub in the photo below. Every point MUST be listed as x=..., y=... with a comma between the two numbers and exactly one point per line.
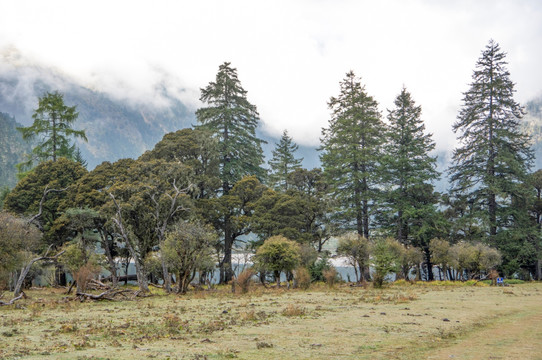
x=277, y=254
x=317, y=269
x=357, y=249
x=331, y=276
x=244, y=279
x=302, y=278
x=293, y=310
x=384, y=261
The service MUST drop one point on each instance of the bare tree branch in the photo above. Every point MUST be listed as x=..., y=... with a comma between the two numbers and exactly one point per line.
x=12, y=301
x=26, y=269
x=46, y=192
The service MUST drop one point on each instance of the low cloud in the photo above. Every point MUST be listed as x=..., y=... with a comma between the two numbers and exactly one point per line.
x=290, y=55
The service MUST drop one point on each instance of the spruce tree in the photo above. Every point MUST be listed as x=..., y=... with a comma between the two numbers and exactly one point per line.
x=494, y=156
x=351, y=154
x=283, y=162
x=232, y=119
x=408, y=169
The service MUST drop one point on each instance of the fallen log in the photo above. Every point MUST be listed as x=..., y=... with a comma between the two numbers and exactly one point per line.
x=106, y=295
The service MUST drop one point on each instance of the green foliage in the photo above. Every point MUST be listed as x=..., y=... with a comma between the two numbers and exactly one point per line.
x=277, y=213
x=441, y=254
x=4, y=191
x=283, y=162
x=318, y=267
x=277, y=254
x=231, y=215
x=494, y=156
x=384, y=259
x=56, y=177
x=356, y=249
x=195, y=148
x=232, y=119
x=472, y=260
x=17, y=239
x=188, y=247
x=52, y=128
x=408, y=170
x=351, y=154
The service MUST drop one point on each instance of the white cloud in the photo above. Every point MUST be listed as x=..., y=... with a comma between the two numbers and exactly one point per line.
x=290, y=55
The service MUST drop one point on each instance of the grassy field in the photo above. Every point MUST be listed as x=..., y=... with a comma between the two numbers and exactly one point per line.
x=399, y=322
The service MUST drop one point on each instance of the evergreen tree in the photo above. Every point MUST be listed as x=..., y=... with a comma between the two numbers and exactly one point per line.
x=283, y=162
x=232, y=119
x=408, y=168
x=494, y=156
x=351, y=154
x=52, y=127
x=77, y=156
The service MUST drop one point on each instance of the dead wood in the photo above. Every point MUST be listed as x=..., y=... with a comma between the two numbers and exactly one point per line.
x=106, y=295
x=12, y=301
x=26, y=269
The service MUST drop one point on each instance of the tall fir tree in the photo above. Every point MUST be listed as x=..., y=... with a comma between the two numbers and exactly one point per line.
x=351, y=154
x=283, y=162
x=53, y=129
x=231, y=119
x=494, y=156
x=408, y=169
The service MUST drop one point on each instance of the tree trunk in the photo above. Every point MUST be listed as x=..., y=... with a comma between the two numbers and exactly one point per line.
x=226, y=273
x=110, y=260
x=138, y=262
x=26, y=269
x=429, y=265
x=165, y=272
x=365, y=219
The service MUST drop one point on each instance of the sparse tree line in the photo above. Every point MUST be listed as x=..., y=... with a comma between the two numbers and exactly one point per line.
x=184, y=206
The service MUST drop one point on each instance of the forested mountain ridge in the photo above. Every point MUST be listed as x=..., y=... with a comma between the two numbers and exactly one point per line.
x=12, y=149
x=116, y=128
x=532, y=125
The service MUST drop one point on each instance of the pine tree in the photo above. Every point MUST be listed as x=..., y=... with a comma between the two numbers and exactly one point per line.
x=351, y=154
x=52, y=126
x=232, y=119
x=494, y=156
x=408, y=168
x=283, y=162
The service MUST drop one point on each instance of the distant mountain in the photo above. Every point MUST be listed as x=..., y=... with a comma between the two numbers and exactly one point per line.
x=115, y=128
x=12, y=150
x=532, y=125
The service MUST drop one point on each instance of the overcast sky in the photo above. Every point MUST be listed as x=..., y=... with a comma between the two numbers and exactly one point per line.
x=290, y=55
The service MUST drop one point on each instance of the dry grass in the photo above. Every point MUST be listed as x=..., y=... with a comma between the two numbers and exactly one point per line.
x=398, y=322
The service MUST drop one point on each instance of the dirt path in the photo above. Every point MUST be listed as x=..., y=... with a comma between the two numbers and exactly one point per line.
x=517, y=336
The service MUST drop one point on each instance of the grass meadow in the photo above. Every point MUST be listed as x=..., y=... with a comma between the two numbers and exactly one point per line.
x=438, y=320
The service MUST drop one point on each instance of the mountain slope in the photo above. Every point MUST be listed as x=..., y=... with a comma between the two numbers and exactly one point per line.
x=115, y=128
x=12, y=150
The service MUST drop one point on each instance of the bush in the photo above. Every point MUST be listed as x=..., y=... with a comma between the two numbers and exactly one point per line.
x=357, y=249
x=302, y=278
x=293, y=310
x=331, y=276
x=244, y=279
x=384, y=261
x=277, y=254
x=317, y=268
